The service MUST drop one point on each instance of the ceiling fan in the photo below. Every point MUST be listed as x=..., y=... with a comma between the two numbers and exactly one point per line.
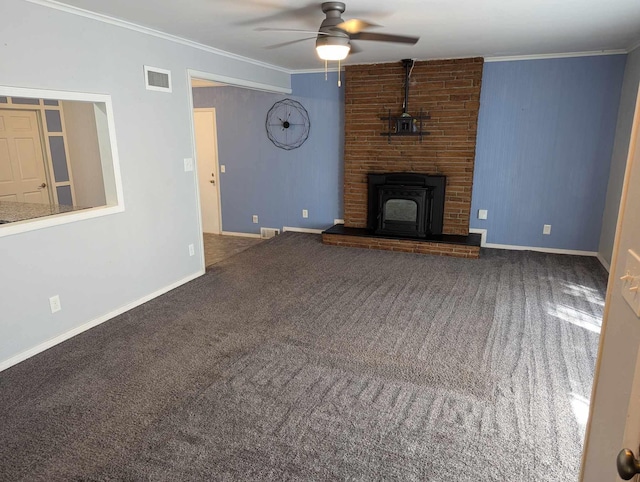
x=333, y=38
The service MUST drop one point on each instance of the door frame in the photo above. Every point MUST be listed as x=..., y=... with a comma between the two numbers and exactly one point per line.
x=232, y=81
x=216, y=163
x=629, y=387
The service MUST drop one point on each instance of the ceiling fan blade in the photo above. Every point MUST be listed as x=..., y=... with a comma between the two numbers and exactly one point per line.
x=383, y=37
x=307, y=13
x=284, y=44
x=355, y=25
x=295, y=30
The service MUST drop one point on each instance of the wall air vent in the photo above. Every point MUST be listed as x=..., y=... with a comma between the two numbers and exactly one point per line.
x=266, y=233
x=157, y=79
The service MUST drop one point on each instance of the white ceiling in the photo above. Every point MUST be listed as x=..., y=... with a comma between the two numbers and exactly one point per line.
x=447, y=28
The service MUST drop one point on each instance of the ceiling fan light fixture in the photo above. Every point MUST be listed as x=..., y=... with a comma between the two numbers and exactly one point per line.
x=333, y=52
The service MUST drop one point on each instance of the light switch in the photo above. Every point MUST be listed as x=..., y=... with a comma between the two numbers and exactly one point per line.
x=188, y=164
x=223, y=168
x=631, y=281
x=482, y=213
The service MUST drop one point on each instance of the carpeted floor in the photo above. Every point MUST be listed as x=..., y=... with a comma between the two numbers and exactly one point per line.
x=298, y=361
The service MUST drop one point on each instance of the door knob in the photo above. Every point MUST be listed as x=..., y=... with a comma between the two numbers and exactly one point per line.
x=42, y=186
x=212, y=181
x=627, y=464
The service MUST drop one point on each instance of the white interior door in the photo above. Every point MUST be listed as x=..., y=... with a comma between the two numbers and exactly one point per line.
x=615, y=403
x=22, y=172
x=207, y=161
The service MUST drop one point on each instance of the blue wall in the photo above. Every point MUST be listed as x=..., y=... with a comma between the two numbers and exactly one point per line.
x=545, y=138
x=273, y=183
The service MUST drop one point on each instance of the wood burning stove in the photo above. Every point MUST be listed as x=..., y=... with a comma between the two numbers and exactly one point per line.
x=406, y=204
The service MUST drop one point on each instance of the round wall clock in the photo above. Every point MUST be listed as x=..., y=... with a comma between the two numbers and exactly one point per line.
x=287, y=124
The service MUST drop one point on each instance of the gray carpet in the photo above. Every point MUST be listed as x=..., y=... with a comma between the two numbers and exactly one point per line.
x=298, y=361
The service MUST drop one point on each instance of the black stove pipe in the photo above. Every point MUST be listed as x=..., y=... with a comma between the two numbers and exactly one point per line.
x=408, y=65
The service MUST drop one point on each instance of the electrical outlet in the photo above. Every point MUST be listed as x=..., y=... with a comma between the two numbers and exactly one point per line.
x=223, y=168
x=255, y=219
x=54, y=303
x=188, y=164
x=192, y=250
x=305, y=213
x=546, y=229
x=482, y=213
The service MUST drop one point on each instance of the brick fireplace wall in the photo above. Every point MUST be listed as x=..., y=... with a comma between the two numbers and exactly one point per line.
x=448, y=91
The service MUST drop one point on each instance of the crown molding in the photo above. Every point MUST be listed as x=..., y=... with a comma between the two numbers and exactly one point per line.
x=633, y=46
x=152, y=32
x=561, y=55
x=316, y=71
x=486, y=59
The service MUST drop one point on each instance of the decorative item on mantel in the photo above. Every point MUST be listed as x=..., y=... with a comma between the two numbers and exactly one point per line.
x=405, y=124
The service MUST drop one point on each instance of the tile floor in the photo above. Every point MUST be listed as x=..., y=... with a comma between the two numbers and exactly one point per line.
x=218, y=247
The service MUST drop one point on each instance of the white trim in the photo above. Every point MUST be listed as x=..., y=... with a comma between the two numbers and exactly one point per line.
x=9, y=91
x=147, y=69
x=73, y=216
x=319, y=70
x=561, y=55
x=505, y=58
x=249, y=84
x=633, y=46
x=338, y=221
x=241, y=235
x=483, y=233
x=33, y=224
x=603, y=262
x=514, y=247
x=196, y=188
x=301, y=230
x=93, y=323
x=150, y=31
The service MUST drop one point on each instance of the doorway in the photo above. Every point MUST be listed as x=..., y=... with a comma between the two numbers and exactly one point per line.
x=204, y=121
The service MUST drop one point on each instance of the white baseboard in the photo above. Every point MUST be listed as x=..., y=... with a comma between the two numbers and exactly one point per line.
x=301, y=230
x=338, y=221
x=483, y=232
x=541, y=249
x=604, y=263
x=93, y=323
x=242, y=235
x=513, y=247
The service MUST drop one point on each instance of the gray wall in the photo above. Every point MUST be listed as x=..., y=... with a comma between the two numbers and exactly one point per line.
x=84, y=153
x=620, y=151
x=102, y=264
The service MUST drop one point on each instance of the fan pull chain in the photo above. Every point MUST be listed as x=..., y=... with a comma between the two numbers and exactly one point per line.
x=339, y=72
x=325, y=71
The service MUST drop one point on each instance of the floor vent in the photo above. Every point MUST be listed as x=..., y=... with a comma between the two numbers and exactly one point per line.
x=266, y=233
x=157, y=79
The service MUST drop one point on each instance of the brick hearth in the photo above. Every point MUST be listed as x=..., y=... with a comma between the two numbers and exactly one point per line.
x=448, y=91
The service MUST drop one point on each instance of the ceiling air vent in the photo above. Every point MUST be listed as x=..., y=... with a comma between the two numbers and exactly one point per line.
x=157, y=79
